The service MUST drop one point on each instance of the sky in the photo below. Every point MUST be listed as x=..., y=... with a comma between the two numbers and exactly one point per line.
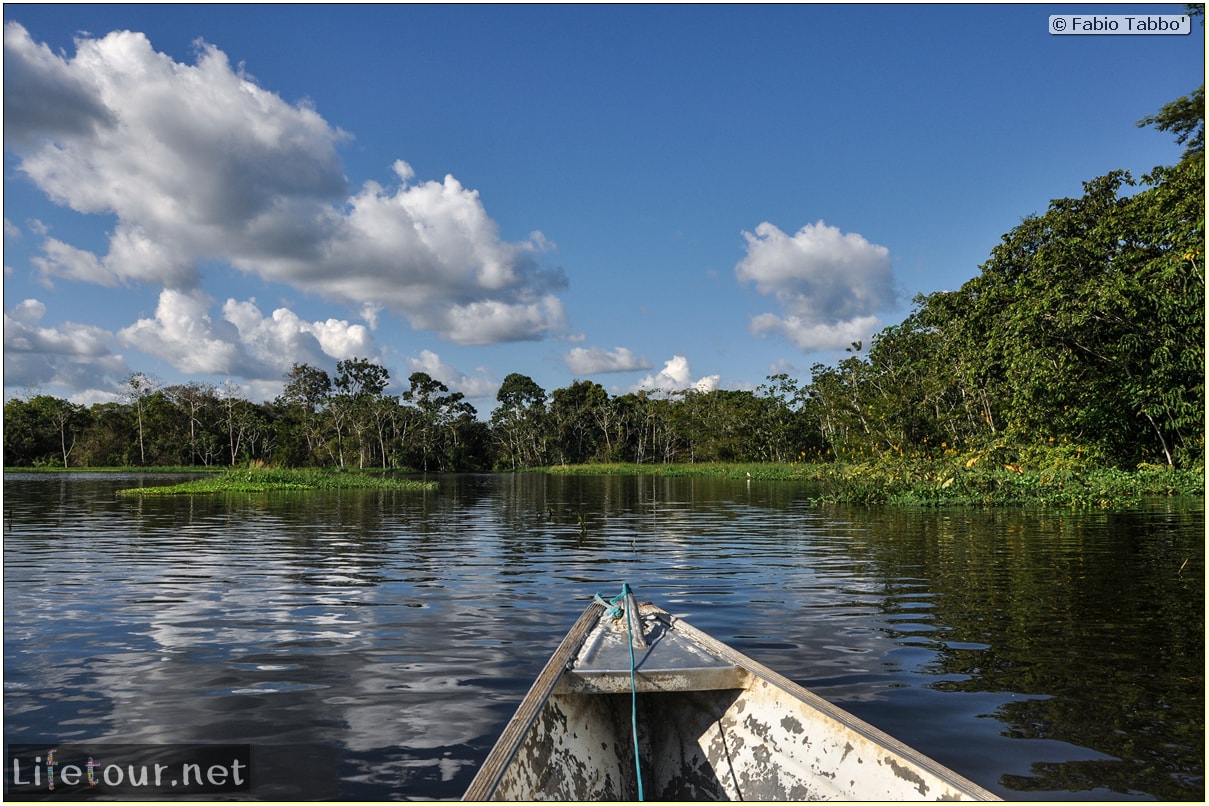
x=647, y=197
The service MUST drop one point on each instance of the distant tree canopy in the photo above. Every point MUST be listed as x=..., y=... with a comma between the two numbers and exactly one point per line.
x=1084, y=331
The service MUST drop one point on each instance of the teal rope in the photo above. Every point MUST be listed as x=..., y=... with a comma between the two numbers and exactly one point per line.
x=612, y=608
x=615, y=609
x=633, y=702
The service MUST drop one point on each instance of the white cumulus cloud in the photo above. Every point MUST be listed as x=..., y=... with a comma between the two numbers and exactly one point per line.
x=242, y=341
x=478, y=386
x=198, y=163
x=811, y=335
x=183, y=334
x=676, y=376
x=829, y=285
x=593, y=360
x=72, y=355
x=283, y=338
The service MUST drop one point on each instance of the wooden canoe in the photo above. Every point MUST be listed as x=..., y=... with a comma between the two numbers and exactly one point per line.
x=711, y=724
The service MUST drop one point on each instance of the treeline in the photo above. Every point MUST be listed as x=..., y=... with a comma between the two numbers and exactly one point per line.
x=1084, y=333
x=349, y=421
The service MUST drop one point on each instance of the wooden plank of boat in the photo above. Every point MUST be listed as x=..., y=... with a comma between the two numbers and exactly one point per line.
x=712, y=724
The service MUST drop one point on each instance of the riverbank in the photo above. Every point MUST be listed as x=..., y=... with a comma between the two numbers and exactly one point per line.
x=971, y=480
x=207, y=469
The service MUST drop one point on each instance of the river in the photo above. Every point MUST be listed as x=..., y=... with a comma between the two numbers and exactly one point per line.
x=371, y=646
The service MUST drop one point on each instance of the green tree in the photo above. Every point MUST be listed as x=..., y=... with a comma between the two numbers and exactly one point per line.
x=575, y=421
x=106, y=442
x=246, y=426
x=360, y=383
x=42, y=430
x=1102, y=334
x=1086, y=323
x=838, y=401
x=360, y=378
x=139, y=387
x=303, y=401
x=68, y=418
x=21, y=433
x=444, y=419
x=518, y=422
x=1184, y=116
x=1162, y=348
x=720, y=425
x=200, y=406
x=166, y=428
x=785, y=431
x=633, y=434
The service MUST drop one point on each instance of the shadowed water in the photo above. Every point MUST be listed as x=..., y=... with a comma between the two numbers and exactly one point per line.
x=371, y=646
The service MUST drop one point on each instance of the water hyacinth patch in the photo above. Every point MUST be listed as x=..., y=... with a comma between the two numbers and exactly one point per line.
x=267, y=479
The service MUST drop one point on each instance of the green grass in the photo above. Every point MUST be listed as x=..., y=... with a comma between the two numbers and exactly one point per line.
x=259, y=480
x=1050, y=480
x=704, y=469
x=942, y=484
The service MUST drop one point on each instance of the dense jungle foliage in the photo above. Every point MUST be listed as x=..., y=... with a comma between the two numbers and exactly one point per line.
x=1081, y=338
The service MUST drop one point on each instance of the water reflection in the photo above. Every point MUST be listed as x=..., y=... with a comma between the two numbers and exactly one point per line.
x=387, y=637
x=1083, y=635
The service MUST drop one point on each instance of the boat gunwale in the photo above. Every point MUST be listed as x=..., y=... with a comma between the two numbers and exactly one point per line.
x=506, y=748
x=488, y=778
x=832, y=711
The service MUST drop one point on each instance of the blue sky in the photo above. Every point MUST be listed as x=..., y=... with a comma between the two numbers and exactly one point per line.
x=659, y=197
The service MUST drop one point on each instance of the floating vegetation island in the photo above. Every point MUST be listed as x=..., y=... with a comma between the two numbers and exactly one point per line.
x=264, y=479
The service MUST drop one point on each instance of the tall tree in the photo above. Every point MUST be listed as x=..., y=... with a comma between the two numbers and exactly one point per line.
x=360, y=377
x=244, y=424
x=575, y=421
x=444, y=419
x=67, y=418
x=199, y=403
x=360, y=383
x=518, y=421
x=139, y=387
x=306, y=394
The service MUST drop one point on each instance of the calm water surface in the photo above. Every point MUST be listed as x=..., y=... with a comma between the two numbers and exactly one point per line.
x=371, y=646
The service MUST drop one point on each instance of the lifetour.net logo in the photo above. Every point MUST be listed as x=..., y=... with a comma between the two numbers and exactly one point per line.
x=48, y=771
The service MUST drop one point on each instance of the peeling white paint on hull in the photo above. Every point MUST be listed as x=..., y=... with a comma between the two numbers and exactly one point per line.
x=712, y=723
